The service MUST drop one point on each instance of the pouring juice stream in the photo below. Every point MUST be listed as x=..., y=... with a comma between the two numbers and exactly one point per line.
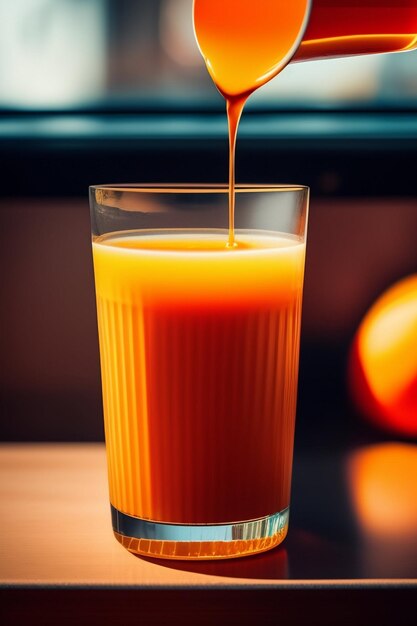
x=244, y=45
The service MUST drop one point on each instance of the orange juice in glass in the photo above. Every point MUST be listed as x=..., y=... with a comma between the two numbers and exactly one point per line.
x=199, y=346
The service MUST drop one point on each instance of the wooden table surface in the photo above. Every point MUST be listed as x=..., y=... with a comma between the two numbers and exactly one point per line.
x=56, y=527
x=56, y=537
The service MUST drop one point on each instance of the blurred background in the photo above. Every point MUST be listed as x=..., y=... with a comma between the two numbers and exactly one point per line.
x=116, y=91
x=107, y=91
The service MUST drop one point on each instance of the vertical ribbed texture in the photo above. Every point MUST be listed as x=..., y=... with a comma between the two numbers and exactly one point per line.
x=124, y=403
x=199, y=409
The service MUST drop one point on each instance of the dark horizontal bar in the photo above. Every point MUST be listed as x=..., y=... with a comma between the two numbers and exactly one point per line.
x=185, y=606
x=341, y=155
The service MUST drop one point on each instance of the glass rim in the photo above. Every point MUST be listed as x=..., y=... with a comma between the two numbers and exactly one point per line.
x=198, y=188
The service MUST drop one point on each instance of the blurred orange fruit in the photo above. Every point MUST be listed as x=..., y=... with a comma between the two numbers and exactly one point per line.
x=383, y=360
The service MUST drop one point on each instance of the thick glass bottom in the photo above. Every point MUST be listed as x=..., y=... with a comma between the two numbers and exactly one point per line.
x=199, y=541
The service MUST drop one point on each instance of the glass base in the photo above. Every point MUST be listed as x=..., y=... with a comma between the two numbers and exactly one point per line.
x=199, y=541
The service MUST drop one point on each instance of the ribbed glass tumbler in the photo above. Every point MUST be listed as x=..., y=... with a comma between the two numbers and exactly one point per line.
x=199, y=347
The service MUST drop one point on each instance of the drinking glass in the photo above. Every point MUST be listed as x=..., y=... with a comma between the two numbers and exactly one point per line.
x=199, y=350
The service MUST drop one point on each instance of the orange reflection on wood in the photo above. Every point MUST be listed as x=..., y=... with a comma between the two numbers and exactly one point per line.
x=382, y=480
